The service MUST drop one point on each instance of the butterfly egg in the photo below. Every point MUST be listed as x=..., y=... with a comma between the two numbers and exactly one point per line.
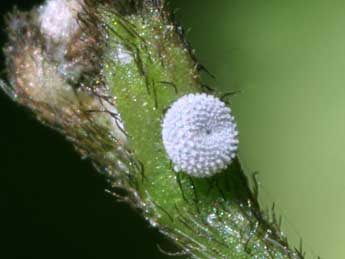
x=200, y=135
x=58, y=18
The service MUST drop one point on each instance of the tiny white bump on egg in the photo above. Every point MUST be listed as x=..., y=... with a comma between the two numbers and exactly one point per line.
x=200, y=135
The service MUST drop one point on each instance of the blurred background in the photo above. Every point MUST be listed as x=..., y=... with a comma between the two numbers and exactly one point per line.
x=287, y=59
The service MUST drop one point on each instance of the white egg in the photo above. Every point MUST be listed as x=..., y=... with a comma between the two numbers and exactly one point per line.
x=200, y=135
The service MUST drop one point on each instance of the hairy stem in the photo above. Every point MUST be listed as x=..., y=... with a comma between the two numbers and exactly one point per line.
x=106, y=83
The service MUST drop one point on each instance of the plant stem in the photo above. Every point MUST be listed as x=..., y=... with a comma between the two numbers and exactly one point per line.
x=121, y=71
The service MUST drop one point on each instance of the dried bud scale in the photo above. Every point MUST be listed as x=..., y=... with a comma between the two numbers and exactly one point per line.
x=58, y=18
x=104, y=73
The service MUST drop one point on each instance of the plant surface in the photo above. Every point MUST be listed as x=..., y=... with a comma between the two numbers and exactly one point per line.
x=104, y=73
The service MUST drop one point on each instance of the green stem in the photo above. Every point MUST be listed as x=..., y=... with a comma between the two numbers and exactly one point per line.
x=146, y=64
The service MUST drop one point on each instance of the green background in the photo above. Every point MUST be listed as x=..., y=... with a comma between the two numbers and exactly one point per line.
x=288, y=60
